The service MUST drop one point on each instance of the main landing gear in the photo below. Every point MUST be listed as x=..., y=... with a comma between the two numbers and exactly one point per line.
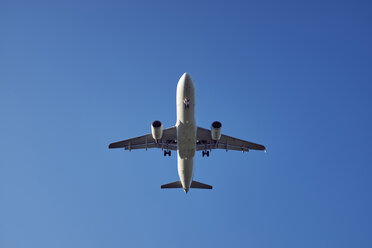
x=167, y=153
x=205, y=153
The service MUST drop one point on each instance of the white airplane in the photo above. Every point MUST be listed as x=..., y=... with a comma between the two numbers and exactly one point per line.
x=186, y=138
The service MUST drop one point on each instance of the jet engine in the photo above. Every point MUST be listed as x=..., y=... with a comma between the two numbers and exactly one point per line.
x=216, y=130
x=157, y=130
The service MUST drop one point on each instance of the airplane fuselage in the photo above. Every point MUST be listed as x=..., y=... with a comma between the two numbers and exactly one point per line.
x=186, y=130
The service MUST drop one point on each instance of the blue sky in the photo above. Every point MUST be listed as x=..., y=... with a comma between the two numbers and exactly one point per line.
x=292, y=75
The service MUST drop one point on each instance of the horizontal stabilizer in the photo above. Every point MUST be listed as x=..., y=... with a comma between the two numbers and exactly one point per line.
x=173, y=185
x=197, y=185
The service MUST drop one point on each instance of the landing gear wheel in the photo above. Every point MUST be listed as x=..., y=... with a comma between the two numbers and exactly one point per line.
x=167, y=153
x=205, y=153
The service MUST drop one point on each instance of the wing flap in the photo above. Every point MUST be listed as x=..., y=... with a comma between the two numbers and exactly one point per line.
x=133, y=142
x=205, y=142
x=222, y=146
x=168, y=141
x=152, y=145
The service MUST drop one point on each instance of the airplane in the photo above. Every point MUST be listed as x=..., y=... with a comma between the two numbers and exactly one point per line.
x=186, y=138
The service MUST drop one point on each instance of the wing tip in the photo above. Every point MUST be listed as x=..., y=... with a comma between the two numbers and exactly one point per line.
x=262, y=148
x=110, y=146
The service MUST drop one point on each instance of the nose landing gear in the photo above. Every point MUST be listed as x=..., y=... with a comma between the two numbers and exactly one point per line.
x=167, y=153
x=186, y=102
x=205, y=153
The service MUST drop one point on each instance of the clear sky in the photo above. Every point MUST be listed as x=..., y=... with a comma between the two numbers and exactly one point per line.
x=292, y=75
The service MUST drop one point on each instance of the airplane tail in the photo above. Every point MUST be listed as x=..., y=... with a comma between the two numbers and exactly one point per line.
x=198, y=185
x=194, y=184
x=176, y=184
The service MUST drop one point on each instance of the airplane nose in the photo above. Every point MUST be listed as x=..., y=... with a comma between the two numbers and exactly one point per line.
x=187, y=76
x=186, y=79
x=186, y=190
x=185, y=86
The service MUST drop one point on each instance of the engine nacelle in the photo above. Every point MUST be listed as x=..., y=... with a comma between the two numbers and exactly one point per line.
x=157, y=130
x=216, y=130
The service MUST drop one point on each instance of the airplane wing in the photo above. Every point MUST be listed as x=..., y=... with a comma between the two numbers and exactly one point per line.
x=168, y=141
x=205, y=142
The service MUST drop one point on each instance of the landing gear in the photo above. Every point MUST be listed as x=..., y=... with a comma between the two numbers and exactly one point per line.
x=186, y=102
x=205, y=153
x=167, y=153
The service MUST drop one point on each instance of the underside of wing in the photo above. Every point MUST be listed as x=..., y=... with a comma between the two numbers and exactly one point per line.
x=205, y=142
x=168, y=141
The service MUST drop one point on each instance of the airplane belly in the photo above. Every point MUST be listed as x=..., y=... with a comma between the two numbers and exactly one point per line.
x=186, y=140
x=185, y=171
x=186, y=130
